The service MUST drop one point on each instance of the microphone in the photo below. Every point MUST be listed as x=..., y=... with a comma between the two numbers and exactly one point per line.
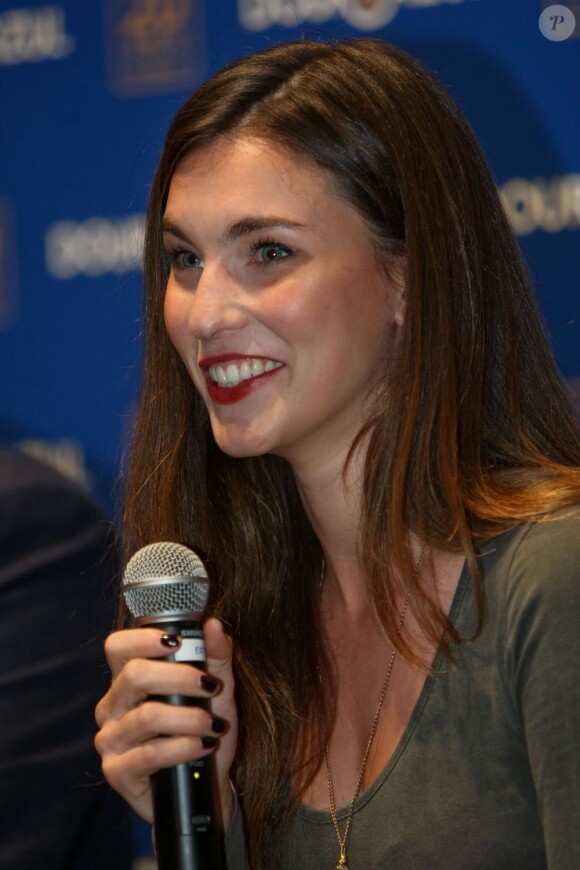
x=165, y=585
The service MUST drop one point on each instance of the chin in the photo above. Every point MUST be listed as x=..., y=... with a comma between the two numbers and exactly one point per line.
x=240, y=447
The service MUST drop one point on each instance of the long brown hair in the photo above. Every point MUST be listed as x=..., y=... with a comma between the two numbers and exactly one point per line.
x=471, y=434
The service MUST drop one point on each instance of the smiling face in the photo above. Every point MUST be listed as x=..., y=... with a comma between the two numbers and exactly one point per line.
x=275, y=301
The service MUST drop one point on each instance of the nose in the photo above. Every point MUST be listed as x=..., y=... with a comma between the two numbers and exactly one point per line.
x=216, y=303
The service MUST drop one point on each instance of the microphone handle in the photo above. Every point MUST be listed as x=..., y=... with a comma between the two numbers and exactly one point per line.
x=184, y=808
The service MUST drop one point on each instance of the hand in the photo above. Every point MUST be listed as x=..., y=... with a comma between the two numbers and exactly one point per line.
x=138, y=736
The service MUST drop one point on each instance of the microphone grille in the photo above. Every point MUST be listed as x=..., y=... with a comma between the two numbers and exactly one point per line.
x=165, y=579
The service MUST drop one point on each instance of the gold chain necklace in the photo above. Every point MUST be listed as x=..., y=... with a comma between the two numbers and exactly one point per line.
x=342, y=865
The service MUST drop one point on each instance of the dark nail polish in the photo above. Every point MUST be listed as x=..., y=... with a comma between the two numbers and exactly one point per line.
x=218, y=726
x=208, y=684
x=208, y=742
x=172, y=641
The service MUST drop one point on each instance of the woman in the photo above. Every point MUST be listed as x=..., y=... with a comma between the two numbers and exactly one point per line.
x=379, y=466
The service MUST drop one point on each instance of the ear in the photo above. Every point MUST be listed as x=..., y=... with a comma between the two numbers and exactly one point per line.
x=400, y=311
x=397, y=277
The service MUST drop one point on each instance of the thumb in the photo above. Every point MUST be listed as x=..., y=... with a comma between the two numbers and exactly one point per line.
x=218, y=646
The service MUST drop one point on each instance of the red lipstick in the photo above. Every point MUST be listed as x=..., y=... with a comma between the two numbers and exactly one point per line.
x=229, y=395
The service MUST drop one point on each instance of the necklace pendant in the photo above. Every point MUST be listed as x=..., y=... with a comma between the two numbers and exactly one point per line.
x=342, y=865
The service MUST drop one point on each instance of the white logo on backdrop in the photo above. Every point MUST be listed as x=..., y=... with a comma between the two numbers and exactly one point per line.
x=361, y=14
x=32, y=35
x=551, y=205
x=95, y=246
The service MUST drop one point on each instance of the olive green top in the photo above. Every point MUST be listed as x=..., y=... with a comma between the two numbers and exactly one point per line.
x=487, y=773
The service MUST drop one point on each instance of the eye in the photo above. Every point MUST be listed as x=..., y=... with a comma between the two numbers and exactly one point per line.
x=266, y=252
x=180, y=259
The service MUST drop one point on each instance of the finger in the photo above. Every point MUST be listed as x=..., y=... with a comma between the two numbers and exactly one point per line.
x=154, y=736
x=141, y=678
x=154, y=719
x=129, y=772
x=122, y=646
x=143, y=760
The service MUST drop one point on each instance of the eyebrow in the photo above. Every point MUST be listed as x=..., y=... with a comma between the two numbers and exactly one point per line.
x=243, y=227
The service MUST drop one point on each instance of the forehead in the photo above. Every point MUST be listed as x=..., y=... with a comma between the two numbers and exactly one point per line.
x=232, y=169
x=246, y=150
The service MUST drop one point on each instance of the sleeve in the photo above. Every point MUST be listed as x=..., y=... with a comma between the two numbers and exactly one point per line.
x=234, y=839
x=543, y=632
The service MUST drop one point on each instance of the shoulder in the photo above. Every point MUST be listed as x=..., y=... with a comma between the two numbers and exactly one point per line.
x=535, y=552
x=531, y=578
x=49, y=525
x=33, y=494
x=21, y=472
x=556, y=536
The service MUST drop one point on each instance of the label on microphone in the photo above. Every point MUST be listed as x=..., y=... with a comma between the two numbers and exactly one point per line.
x=192, y=649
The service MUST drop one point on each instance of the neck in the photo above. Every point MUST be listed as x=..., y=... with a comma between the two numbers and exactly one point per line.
x=332, y=499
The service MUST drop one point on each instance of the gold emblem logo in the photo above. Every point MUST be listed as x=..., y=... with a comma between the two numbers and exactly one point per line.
x=154, y=46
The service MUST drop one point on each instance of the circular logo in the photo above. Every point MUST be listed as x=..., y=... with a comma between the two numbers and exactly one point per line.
x=557, y=23
x=368, y=14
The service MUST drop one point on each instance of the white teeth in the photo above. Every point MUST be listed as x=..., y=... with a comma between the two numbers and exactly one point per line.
x=233, y=374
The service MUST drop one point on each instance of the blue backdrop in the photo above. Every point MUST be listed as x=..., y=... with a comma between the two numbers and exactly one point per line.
x=88, y=88
x=87, y=91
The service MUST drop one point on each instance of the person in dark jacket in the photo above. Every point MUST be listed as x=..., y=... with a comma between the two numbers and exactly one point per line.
x=57, y=566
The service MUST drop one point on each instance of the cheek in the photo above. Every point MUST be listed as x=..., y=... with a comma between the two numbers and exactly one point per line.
x=175, y=317
x=298, y=307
